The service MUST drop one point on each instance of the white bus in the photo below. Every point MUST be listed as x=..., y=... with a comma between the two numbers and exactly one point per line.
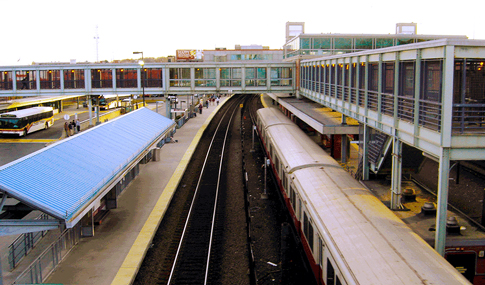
x=110, y=101
x=25, y=121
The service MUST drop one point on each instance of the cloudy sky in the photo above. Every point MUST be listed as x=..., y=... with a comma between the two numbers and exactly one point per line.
x=58, y=31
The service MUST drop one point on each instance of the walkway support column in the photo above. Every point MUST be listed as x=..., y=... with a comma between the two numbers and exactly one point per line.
x=396, y=173
x=443, y=176
x=365, y=153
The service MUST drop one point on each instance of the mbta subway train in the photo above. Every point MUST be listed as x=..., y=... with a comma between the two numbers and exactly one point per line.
x=349, y=236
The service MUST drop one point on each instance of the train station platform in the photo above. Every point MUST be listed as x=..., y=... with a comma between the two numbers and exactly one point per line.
x=116, y=250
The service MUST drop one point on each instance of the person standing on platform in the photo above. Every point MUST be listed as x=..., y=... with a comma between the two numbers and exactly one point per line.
x=217, y=101
x=70, y=128
x=200, y=108
x=73, y=123
x=66, y=128
x=207, y=104
x=78, y=126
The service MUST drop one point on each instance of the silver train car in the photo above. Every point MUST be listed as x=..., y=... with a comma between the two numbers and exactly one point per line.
x=349, y=236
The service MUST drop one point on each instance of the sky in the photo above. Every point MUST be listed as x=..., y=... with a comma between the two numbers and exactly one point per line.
x=59, y=31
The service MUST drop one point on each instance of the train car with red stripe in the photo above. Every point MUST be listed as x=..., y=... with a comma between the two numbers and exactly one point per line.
x=349, y=236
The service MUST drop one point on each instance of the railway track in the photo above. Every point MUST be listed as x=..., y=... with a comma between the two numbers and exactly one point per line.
x=192, y=262
x=246, y=233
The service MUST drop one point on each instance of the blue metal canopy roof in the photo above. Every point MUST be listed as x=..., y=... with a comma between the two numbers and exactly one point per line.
x=64, y=178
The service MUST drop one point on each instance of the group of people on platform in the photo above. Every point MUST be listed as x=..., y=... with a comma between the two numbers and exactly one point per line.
x=211, y=99
x=72, y=128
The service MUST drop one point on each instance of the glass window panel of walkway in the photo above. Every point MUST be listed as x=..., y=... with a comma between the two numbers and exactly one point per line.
x=102, y=78
x=380, y=89
x=469, y=95
x=50, y=79
x=74, y=79
x=205, y=77
x=6, y=80
x=127, y=78
x=26, y=79
x=230, y=76
x=179, y=77
x=281, y=76
x=255, y=76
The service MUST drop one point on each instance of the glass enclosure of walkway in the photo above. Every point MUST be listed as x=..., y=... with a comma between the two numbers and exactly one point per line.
x=410, y=88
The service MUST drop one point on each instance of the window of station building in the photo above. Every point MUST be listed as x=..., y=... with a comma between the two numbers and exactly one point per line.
x=235, y=57
x=153, y=77
x=305, y=43
x=220, y=58
x=321, y=43
x=382, y=43
x=179, y=77
x=6, y=80
x=205, y=77
x=255, y=76
x=281, y=76
x=50, y=79
x=342, y=43
x=127, y=77
x=363, y=43
x=231, y=76
x=74, y=79
x=26, y=79
x=404, y=41
x=102, y=78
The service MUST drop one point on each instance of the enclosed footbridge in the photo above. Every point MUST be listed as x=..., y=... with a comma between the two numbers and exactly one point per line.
x=428, y=95
x=150, y=78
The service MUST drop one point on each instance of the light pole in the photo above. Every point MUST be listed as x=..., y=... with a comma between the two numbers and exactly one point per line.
x=143, y=75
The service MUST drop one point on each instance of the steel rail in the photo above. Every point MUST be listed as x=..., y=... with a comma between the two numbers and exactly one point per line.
x=189, y=215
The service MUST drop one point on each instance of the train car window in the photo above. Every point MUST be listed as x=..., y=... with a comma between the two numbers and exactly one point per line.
x=285, y=181
x=330, y=273
x=292, y=197
x=277, y=165
x=320, y=251
x=298, y=208
x=308, y=230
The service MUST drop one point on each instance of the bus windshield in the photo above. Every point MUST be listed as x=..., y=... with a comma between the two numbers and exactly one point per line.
x=11, y=123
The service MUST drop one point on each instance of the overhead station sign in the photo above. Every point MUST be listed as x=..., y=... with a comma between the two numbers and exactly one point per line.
x=189, y=55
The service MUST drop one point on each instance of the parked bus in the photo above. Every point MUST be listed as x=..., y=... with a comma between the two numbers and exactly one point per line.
x=25, y=121
x=109, y=101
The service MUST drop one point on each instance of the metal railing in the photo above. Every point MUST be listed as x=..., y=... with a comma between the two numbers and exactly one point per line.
x=468, y=118
x=23, y=244
x=43, y=266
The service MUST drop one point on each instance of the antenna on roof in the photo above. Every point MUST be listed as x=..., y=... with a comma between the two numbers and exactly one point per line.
x=96, y=37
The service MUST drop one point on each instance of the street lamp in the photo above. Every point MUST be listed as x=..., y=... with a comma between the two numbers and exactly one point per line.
x=143, y=74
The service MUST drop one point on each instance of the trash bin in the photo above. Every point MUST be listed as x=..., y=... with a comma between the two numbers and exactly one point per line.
x=156, y=154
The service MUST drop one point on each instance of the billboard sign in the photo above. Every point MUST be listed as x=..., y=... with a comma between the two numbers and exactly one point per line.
x=189, y=55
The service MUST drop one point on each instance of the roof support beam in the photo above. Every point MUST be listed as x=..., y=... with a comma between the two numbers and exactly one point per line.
x=15, y=227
